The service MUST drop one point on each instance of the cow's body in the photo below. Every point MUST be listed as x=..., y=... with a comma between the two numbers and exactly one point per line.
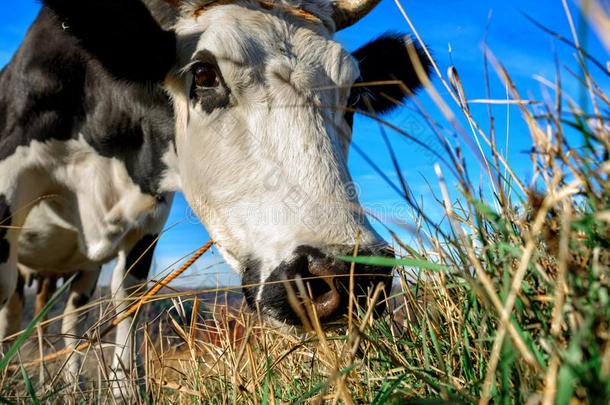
x=84, y=173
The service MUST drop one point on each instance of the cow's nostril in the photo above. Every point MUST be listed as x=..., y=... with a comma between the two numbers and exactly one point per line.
x=328, y=303
x=320, y=280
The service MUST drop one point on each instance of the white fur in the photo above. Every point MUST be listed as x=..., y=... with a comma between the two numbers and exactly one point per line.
x=269, y=172
x=91, y=211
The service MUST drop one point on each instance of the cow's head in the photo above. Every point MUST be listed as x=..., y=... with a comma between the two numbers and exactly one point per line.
x=264, y=99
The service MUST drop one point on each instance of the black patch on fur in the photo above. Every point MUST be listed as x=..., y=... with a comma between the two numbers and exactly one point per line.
x=383, y=59
x=41, y=90
x=210, y=99
x=78, y=277
x=54, y=89
x=251, y=282
x=20, y=291
x=140, y=257
x=121, y=34
x=80, y=300
x=5, y=215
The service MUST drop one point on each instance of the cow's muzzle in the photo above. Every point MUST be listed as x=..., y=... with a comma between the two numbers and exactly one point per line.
x=318, y=284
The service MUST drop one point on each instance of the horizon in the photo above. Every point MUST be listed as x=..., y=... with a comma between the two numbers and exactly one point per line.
x=455, y=34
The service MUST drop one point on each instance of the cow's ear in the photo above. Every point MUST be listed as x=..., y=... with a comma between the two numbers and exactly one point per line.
x=121, y=34
x=386, y=59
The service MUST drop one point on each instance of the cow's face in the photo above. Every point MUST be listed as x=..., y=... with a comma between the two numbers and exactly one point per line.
x=261, y=139
x=262, y=97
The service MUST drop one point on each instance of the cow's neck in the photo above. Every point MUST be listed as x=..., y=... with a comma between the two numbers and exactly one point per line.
x=133, y=124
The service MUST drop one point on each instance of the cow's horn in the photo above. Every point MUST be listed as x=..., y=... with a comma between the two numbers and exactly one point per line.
x=348, y=12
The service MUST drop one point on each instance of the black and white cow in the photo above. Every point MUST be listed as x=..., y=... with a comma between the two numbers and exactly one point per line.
x=263, y=100
x=95, y=151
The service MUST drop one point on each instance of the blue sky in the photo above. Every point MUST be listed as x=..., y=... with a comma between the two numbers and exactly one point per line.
x=454, y=30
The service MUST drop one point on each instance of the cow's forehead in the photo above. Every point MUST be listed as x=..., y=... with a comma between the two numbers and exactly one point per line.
x=248, y=33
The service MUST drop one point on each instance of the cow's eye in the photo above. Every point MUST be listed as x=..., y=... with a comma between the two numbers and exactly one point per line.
x=205, y=76
x=208, y=90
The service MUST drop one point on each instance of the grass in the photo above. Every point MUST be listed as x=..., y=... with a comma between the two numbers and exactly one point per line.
x=505, y=299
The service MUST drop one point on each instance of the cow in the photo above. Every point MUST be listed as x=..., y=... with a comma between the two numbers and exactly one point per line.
x=81, y=174
x=262, y=104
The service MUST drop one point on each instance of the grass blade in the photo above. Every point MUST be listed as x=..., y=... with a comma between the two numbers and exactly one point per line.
x=32, y=325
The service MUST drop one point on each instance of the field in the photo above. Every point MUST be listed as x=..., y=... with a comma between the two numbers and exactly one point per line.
x=504, y=299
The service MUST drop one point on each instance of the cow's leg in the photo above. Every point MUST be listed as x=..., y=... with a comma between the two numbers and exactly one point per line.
x=81, y=292
x=11, y=221
x=47, y=285
x=128, y=278
x=18, y=193
x=10, y=315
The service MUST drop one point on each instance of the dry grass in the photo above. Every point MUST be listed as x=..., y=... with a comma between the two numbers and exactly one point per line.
x=506, y=299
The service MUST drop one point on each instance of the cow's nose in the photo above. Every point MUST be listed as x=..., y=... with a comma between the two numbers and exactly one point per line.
x=325, y=280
